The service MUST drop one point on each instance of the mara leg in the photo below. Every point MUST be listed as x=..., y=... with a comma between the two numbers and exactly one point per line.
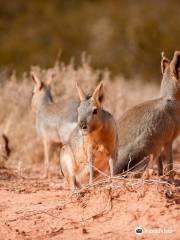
x=91, y=167
x=112, y=160
x=72, y=181
x=67, y=166
x=56, y=151
x=160, y=161
x=46, y=158
x=61, y=175
x=168, y=150
x=111, y=167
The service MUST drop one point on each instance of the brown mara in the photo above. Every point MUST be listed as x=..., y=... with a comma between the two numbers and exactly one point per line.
x=146, y=129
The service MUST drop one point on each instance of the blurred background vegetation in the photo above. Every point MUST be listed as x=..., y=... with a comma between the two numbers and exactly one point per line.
x=126, y=36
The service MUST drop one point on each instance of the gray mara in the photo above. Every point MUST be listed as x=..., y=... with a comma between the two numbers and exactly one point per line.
x=54, y=121
x=150, y=127
x=93, y=144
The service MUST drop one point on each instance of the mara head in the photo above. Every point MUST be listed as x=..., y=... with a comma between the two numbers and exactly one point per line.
x=170, y=85
x=90, y=110
x=41, y=91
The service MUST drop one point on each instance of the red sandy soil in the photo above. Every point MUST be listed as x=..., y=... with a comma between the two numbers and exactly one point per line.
x=44, y=209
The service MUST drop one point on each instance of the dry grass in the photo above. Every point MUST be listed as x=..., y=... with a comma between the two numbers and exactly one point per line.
x=17, y=120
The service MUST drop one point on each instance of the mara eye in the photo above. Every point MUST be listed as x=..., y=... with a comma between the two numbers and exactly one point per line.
x=94, y=111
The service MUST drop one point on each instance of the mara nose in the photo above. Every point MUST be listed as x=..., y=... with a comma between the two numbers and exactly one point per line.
x=83, y=124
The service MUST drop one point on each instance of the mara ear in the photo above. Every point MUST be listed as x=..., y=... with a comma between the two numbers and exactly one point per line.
x=81, y=93
x=36, y=80
x=175, y=65
x=98, y=94
x=164, y=63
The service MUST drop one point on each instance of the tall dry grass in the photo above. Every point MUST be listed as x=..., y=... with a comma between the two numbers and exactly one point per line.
x=18, y=121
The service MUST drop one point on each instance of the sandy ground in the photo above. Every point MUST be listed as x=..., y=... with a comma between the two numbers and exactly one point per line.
x=45, y=209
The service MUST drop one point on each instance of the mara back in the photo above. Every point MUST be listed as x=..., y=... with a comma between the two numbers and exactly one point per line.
x=54, y=121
